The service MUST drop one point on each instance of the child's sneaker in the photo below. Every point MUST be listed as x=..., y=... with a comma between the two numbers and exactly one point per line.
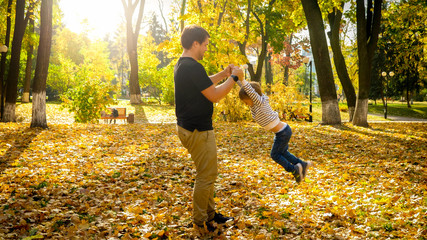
x=298, y=173
x=305, y=167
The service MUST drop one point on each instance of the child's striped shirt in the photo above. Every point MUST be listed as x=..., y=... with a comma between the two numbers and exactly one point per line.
x=261, y=110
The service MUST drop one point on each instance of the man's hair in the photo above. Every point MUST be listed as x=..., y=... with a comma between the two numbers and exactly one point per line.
x=255, y=85
x=193, y=33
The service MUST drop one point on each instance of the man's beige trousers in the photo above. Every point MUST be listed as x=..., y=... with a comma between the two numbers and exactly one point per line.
x=202, y=147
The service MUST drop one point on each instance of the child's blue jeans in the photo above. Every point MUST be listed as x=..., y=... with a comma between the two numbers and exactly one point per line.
x=280, y=153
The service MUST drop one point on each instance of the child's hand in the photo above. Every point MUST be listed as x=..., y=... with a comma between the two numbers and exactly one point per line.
x=238, y=72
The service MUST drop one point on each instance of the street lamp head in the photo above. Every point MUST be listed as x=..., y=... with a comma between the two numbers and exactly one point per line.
x=3, y=48
x=384, y=74
x=391, y=74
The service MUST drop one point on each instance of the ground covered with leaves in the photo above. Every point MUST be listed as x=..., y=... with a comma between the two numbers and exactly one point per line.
x=134, y=181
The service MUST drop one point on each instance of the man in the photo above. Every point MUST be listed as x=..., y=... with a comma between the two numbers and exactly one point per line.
x=195, y=93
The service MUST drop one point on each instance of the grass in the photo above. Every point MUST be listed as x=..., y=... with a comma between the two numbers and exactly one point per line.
x=417, y=110
x=154, y=113
x=317, y=114
x=151, y=113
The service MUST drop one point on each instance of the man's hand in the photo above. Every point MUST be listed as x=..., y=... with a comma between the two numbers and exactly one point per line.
x=228, y=70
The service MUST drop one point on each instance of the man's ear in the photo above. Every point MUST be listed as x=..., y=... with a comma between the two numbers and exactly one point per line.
x=195, y=44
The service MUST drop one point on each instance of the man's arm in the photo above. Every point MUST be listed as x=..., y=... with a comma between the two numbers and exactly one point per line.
x=216, y=93
x=218, y=77
x=221, y=75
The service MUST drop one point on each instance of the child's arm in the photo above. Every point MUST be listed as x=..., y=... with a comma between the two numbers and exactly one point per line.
x=253, y=95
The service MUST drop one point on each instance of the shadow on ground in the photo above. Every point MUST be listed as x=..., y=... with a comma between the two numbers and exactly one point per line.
x=18, y=141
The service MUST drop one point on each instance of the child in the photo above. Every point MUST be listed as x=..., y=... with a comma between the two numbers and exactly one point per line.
x=251, y=95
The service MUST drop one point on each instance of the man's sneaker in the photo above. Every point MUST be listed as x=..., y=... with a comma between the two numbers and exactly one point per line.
x=305, y=167
x=298, y=173
x=220, y=219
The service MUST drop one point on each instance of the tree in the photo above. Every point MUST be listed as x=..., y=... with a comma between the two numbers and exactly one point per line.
x=161, y=9
x=267, y=27
x=93, y=89
x=182, y=12
x=253, y=26
x=339, y=60
x=132, y=40
x=401, y=44
x=328, y=95
x=148, y=71
x=42, y=66
x=368, y=27
x=66, y=59
x=29, y=65
x=290, y=56
x=160, y=35
x=21, y=20
x=3, y=56
x=118, y=60
x=264, y=29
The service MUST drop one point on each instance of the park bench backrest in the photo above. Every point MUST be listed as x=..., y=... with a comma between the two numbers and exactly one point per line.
x=121, y=111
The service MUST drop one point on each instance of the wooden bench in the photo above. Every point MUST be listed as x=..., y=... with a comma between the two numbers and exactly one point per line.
x=106, y=115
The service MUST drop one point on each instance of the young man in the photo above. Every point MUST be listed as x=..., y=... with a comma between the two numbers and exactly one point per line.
x=195, y=93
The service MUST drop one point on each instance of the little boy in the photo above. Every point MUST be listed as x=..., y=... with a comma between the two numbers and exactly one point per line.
x=251, y=95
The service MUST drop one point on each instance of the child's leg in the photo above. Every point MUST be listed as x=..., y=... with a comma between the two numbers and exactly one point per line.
x=291, y=158
x=279, y=151
x=284, y=150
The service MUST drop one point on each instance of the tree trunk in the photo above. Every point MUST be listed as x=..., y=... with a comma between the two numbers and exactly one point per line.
x=181, y=24
x=42, y=66
x=3, y=57
x=28, y=68
x=408, y=95
x=162, y=15
x=367, y=36
x=330, y=110
x=242, y=45
x=135, y=92
x=132, y=40
x=264, y=38
x=286, y=71
x=268, y=70
x=339, y=61
x=264, y=31
x=12, y=78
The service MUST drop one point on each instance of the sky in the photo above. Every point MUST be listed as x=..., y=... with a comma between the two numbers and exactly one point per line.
x=103, y=16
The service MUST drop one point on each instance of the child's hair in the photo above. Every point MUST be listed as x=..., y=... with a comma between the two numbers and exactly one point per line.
x=255, y=85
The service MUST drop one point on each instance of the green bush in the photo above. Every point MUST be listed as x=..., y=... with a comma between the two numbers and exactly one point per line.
x=167, y=85
x=87, y=100
x=421, y=96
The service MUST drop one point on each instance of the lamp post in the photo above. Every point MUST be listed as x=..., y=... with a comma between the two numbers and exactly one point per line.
x=308, y=62
x=384, y=74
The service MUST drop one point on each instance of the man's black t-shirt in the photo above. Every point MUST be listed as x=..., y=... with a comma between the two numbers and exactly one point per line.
x=193, y=110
